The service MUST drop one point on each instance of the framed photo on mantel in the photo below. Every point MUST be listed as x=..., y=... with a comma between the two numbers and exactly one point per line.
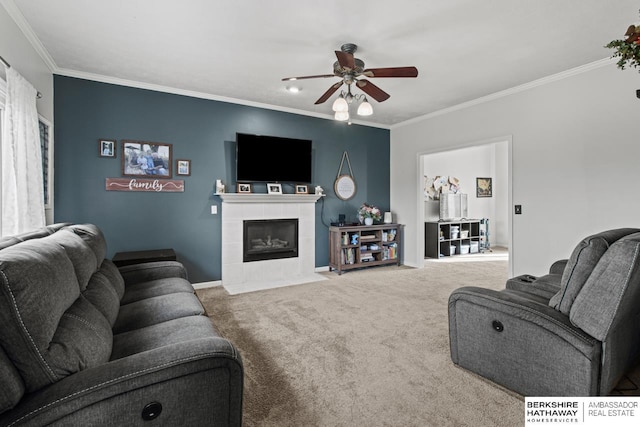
x=274, y=188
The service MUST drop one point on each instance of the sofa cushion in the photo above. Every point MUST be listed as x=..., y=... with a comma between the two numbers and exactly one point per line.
x=48, y=330
x=102, y=294
x=81, y=255
x=154, y=288
x=155, y=310
x=581, y=264
x=94, y=238
x=610, y=291
x=162, y=334
x=111, y=272
x=12, y=388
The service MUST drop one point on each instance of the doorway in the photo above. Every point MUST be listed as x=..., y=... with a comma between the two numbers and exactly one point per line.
x=464, y=164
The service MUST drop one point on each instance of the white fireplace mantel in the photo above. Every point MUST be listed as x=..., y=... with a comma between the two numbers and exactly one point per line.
x=239, y=276
x=268, y=198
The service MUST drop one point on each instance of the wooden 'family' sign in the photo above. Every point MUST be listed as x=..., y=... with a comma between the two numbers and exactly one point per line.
x=142, y=184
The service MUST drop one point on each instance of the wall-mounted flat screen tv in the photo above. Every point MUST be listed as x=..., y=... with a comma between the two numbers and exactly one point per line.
x=261, y=158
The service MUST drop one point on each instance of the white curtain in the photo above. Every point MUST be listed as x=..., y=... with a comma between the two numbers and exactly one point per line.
x=22, y=187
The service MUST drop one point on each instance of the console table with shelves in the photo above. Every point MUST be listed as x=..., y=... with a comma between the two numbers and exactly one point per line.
x=449, y=238
x=361, y=246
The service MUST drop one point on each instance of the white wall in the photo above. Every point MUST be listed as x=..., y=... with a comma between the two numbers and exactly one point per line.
x=574, y=148
x=467, y=164
x=18, y=51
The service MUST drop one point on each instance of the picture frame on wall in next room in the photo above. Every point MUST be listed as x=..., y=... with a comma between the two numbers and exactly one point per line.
x=484, y=187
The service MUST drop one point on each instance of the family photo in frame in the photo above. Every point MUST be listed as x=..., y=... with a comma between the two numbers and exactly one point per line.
x=107, y=148
x=151, y=159
x=183, y=167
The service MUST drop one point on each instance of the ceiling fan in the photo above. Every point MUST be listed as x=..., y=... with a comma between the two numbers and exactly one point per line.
x=351, y=70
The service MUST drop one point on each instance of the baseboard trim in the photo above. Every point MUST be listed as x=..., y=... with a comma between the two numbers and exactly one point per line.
x=204, y=285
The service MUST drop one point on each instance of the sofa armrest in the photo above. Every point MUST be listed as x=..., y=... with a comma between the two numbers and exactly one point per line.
x=196, y=382
x=558, y=266
x=148, y=271
x=521, y=344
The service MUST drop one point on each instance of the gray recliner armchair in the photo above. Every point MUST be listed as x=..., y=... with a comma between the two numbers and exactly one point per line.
x=573, y=332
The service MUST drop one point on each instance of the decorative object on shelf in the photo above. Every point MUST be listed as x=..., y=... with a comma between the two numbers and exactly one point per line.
x=484, y=187
x=453, y=206
x=354, y=239
x=345, y=185
x=434, y=187
x=107, y=148
x=183, y=167
x=244, y=188
x=627, y=50
x=388, y=218
x=219, y=186
x=302, y=189
x=146, y=158
x=368, y=213
x=319, y=190
x=274, y=188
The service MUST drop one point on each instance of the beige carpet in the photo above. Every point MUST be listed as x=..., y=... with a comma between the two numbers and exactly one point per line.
x=368, y=348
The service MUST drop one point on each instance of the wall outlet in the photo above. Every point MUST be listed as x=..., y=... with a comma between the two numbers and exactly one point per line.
x=214, y=209
x=518, y=209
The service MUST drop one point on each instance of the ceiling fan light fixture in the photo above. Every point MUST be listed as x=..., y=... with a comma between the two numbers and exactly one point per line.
x=293, y=89
x=340, y=104
x=365, y=109
x=342, y=116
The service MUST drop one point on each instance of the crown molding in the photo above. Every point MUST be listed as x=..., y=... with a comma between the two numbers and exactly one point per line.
x=26, y=29
x=28, y=32
x=196, y=94
x=511, y=91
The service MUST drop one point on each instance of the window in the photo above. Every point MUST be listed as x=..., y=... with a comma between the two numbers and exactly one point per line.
x=47, y=165
x=46, y=145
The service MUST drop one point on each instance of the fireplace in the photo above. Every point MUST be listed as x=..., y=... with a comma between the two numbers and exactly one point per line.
x=266, y=239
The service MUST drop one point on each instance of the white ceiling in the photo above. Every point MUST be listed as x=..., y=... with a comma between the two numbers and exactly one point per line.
x=240, y=50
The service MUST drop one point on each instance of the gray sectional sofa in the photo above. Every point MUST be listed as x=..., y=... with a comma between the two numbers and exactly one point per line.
x=572, y=332
x=85, y=343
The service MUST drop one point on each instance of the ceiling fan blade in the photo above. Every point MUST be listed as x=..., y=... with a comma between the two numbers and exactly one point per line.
x=391, y=72
x=329, y=92
x=307, y=77
x=372, y=90
x=345, y=59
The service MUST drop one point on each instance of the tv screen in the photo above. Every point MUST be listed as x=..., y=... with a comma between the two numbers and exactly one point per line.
x=262, y=158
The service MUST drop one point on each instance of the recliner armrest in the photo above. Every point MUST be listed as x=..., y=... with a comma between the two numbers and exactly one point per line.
x=178, y=376
x=558, y=266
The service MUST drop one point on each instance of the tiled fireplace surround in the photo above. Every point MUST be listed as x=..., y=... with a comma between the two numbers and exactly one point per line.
x=239, y=276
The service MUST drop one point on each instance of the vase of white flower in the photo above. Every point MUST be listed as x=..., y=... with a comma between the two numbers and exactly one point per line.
x=368, y=213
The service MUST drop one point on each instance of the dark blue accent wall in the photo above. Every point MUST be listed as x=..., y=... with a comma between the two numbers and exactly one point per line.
x=204, y=132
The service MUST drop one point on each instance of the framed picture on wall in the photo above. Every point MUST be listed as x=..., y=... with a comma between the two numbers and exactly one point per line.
x=150, y=159
x=484, y=187
x=244, y=188
x=183, y=167
x=302, y=189
x=274, y=188
x=107, y=148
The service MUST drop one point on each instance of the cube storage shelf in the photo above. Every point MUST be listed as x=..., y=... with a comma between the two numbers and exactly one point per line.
x=448, y=238
x=361, y=246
